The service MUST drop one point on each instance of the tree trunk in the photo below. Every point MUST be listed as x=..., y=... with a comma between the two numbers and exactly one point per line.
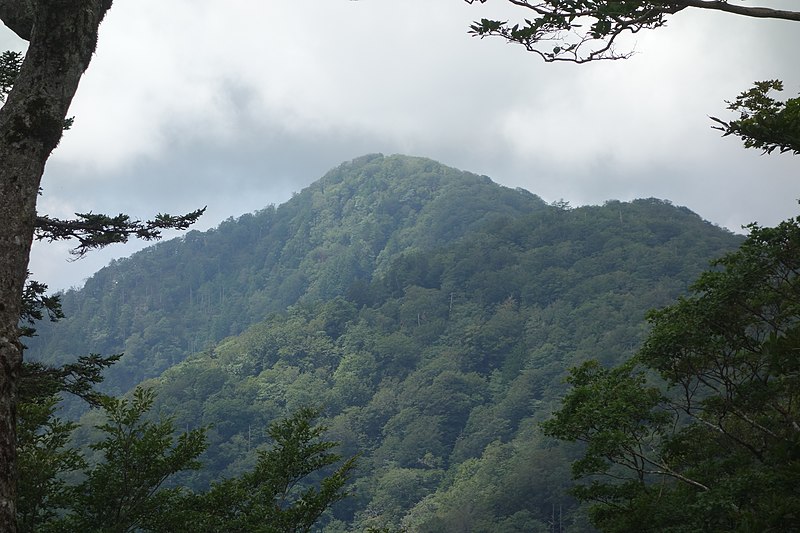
x=62, y=36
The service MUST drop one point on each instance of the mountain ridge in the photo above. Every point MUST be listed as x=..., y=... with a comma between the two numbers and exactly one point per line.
x=354, y=220
x=430, y=313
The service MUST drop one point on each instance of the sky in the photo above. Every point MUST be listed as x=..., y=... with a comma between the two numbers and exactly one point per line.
x=236, y=105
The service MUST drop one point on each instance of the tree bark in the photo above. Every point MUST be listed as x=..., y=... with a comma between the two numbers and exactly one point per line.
x=62, y=36
x=18, y=16
x=674, y=6
x=747, y=11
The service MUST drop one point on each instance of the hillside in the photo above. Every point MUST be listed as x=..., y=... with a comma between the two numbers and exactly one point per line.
x=438, y=370
x=429, y=312
x=184, y=295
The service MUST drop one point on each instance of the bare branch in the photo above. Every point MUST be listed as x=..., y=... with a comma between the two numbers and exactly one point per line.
x=747, y=11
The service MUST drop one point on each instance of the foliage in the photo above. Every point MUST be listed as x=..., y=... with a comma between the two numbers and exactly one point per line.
x=588, y=30
x=765, y=123
x=94, y=231
x=36, y=93
x=78, y=378
x=10, y=63
x=447, y=356
x=275, y=495
x=616, y=414
x=123, y=492
x=44, y=459
x=436, y=348
x=353, y=222
x=717, y=438
x=35, y=303
x=41, y=382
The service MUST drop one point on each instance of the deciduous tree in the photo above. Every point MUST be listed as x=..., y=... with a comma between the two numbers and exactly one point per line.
x=587, y=30
x=764, y=123
x=713, y=443
x=276, y=496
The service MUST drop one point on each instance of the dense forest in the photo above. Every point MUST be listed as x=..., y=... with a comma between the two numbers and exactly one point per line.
x=183, y=296
x=430, y=314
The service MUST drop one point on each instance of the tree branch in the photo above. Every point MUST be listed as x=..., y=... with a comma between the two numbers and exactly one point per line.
x=585, y=31
x=747, y=11
x=94, y=231
x=34, y=306
x=18, y=16
x=78, y=378
x=673, y=6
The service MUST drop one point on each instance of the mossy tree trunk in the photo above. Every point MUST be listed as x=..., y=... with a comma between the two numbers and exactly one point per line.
x=62, y=35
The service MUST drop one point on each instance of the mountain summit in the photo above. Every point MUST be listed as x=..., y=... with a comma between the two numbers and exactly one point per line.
x=180, y=296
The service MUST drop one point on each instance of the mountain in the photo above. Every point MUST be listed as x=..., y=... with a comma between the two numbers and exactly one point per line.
x=429, y=312
x=182, y=296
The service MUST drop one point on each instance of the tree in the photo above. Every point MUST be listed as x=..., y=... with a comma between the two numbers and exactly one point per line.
x=44, y=457
x=582, y=31
x=96, y=230
x=62, y=36
x=124, y=490
x=588, y=30
x=44, y=460
x=699, y=431
x=278, y=495
x=765, y=123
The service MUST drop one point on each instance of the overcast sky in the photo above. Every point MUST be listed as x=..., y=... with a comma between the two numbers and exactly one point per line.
x=237, y=104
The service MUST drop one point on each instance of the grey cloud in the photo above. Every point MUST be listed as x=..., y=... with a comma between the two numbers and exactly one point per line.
x=237, y=108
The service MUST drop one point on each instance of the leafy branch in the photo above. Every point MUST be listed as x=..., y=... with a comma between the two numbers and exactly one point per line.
x=764, y=122
x=95, y=231
x=580, y=31
x=78, y=378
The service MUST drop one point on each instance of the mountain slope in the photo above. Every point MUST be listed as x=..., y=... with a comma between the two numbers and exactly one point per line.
x=431, y=313
x=183, y=295
x=438, y=370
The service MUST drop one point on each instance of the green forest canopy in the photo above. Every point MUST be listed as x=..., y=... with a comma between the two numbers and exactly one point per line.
x=434, y=343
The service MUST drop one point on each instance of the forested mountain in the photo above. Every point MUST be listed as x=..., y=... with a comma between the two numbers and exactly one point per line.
x=430, y=313
x=182, y=296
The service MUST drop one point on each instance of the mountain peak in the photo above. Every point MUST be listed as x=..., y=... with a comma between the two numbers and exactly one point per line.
x=349, y=225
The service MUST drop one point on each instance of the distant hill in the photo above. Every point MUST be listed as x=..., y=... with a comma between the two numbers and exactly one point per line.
x=431, y=313
x=183, y=295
